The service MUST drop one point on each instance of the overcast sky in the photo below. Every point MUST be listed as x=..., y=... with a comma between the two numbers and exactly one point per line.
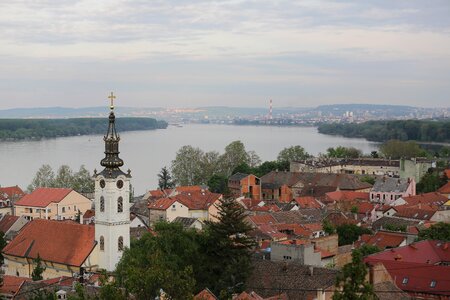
x=235, y=53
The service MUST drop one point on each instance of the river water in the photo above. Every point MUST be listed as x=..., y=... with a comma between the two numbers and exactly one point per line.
x=146, y=152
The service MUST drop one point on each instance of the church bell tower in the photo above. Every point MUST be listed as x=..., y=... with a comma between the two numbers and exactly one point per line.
x=112, y=201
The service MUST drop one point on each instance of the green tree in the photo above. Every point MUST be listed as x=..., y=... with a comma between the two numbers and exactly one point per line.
x=218, y=184
x=82, y=181
x=243, y=168
x=253, y=159
x=110, y=290
x=396, y=149
x=64, y=177
x=349, y=233
x=228, y=250
x=38, y=270
x=328, y=227
x=165, y=179
x=80, y=293
x=351, y=283
x=368, y=179
x=45, y=177
x=430, y=182
x=439, y=231
x=293, y=153
x=368, y=249
x=187, y=166
x=343, y=152
x=164, y=261
x=234, y=155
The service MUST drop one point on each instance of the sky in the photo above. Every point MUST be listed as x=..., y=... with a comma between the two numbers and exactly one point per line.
x=235, y=53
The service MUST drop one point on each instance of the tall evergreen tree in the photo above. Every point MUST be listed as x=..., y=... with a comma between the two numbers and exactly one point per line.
x=165, y=179
x=228, y=248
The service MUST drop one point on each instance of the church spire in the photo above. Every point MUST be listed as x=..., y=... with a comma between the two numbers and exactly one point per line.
x=112, y=162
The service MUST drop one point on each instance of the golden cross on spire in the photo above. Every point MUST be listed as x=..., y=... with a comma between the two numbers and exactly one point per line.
x=112, y=97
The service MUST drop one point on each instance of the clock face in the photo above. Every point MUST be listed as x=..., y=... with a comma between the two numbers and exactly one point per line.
x=119, y=184
x=102, y=183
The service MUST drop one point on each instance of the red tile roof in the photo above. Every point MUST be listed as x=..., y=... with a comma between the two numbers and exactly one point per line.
x=11, y=192
x=364, y=207
x=248, y=296
x=432, y=198
x=54, y=241
x=205, y=294
x=249, y=203
x=340, y=196
x=42, y=197
x=262, y=219
x=161, y=204
x=198, y=200
x=423, y=252
x=296, y=229
x=187, y=189
x=424, y=213
x=272, y=232
x=89, y=214
x=266, y=208
x=6, y=222
x=11, y=284
x=418, y=278
x=382, y=239
x=307, y=202
x=421, y=267
x=445, y=189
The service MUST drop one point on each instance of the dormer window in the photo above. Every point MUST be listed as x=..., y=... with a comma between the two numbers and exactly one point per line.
x=433, y=283
x=405, y=280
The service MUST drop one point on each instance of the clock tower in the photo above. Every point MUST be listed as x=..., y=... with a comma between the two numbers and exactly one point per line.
x=112, y=201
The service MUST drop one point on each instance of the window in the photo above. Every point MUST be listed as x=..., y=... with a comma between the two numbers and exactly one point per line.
x=63, y=209
x=120, y=205
x=74, y=207
x=120, y=244
x=102, y=243
x=102, y=204
x=433, y=283
x=405, y=280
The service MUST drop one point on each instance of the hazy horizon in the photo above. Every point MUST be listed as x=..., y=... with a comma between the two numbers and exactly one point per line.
x=224, y=53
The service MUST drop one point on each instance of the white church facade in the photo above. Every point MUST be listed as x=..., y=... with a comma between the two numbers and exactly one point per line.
x=68, y=248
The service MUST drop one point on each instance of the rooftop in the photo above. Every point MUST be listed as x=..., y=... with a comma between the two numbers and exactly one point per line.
x=42, y=197
x=54, y=241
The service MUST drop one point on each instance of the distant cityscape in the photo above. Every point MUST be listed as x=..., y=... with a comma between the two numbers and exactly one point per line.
x=338, y=113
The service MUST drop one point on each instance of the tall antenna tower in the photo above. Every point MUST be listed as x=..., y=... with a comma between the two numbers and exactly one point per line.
x=270, y=110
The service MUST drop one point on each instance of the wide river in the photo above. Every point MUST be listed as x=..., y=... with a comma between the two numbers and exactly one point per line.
x=146, y=152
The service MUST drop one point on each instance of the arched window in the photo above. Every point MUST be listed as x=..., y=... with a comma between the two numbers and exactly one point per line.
x=120, y=244
x=120, y=205
x=102, y=204
x=102, y=243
